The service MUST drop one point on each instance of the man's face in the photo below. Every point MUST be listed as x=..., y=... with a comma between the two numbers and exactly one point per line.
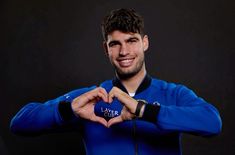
x=126, y=52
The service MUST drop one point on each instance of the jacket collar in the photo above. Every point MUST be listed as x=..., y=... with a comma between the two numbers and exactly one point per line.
x=144, y=84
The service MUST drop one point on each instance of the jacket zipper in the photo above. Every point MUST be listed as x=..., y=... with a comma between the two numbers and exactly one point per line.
x=135, y=137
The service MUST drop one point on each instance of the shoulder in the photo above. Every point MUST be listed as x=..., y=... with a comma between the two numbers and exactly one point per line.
x=168, y=86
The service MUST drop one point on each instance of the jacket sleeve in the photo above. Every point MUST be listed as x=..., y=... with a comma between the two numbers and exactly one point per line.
x=190, y=114
x=35, y=118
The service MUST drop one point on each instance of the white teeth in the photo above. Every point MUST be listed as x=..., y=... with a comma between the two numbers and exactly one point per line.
x=126, y=61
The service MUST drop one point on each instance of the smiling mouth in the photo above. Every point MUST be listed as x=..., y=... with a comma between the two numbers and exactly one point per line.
x=125, y=62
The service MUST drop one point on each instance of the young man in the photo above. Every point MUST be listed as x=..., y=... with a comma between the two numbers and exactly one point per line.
x=133, y=113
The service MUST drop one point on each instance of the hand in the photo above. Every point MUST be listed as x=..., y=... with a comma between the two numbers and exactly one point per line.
x=129, y=106
x=83, y=106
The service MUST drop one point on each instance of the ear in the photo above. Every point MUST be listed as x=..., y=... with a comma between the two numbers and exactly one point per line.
x=145, y=42
x=105, y=48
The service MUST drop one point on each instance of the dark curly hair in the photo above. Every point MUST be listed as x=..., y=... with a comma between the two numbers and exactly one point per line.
x=124, y=20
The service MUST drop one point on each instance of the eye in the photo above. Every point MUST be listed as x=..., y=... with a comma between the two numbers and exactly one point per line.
x=132, y=40
x=113, y=43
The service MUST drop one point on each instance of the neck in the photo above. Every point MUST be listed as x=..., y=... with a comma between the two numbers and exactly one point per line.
x=131, y=84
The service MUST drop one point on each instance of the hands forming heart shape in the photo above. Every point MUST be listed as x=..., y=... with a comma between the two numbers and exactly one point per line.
x=83, y=105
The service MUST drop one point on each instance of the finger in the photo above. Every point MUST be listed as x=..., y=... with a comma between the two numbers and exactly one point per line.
x=119, y=94
x=102, y=96
x=110, y=97
x=115, y=120
x=112, y=94
x=104, y=92
x=86, y=97
x=83, y=99
x=93, y=94
x=124, y=98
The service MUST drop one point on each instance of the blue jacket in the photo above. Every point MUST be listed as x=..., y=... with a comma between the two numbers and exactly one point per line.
x=158, y=132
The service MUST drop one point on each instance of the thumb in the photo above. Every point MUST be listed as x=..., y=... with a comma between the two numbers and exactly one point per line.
x=115, y=120
x=101, y=121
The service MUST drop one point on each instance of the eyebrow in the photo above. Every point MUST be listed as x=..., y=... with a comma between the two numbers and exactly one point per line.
x=118, y=42
x=131, y=38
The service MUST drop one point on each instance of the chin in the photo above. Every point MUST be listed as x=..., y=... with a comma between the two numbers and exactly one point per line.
x=126, y=75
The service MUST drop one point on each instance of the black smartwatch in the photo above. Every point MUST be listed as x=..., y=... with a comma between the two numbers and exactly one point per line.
x=140, y=104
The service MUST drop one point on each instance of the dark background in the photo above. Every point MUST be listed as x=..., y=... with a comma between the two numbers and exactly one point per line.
x=51, y=47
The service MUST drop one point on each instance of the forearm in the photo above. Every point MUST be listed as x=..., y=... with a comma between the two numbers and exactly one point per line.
x=36, y=117
x=201, y=119
x=43, y=117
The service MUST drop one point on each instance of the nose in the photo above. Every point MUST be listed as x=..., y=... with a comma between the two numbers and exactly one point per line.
x=123, y=50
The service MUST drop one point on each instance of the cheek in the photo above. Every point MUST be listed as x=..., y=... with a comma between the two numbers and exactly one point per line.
x=138, y=50
x=111, y=55
x=137, y=47
x=112, y=51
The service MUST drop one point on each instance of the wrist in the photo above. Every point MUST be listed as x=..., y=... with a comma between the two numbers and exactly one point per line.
x=151, y=112
x=65, y=110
